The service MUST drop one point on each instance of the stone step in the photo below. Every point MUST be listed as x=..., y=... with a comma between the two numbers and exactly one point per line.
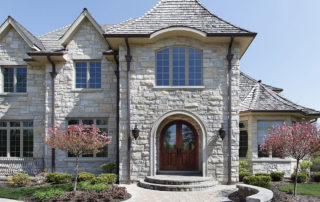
x=182, y=188
x=176, y=180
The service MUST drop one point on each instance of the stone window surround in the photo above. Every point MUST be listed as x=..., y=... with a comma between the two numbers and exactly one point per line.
x=14, y=93
x=21, y=128
x=87, y=89
x=186, y=86
x=94, y=158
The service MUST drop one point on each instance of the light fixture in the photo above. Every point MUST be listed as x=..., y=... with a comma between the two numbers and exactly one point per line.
x=222, y=133
x=135, y=132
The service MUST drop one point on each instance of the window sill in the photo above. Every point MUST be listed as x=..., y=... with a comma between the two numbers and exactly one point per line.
x=13, y=94
x=87, y=90
x=179, y=87
x=87, y=159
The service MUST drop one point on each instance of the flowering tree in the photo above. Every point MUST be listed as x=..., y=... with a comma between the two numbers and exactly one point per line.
x=78, y=140
x=297, y=141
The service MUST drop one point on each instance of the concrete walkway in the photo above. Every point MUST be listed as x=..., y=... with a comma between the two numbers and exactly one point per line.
x=8, y=200
x=217, y=193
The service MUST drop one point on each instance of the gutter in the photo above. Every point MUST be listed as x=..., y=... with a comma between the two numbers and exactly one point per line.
x=128, y=59
x=118, y=115
x=229, y=59
x=53, y=75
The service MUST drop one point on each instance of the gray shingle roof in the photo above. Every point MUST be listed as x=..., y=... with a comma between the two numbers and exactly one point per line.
x=262, y=98
x=173, y=13
x=51, y=39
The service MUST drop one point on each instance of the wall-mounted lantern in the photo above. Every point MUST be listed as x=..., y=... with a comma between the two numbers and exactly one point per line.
x=222, y=133
x=135, y=132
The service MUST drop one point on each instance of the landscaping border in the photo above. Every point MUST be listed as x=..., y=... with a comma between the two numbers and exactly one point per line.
x=254, y=193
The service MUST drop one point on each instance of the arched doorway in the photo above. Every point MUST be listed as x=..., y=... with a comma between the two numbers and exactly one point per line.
x=179, y=147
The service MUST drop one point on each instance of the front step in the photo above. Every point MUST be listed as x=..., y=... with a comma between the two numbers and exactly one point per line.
x=177, y=183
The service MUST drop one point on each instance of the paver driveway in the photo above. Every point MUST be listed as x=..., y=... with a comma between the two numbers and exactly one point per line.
x=215, y=194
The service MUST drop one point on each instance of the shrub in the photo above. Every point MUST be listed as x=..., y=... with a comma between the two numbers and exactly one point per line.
x=243, y=166
x=277, y=176
x=109, y=168
x=316, y=177
x=243, y=174
x=19, y=179
x=302, y=177
x=109, y=178
x=305, y=166
x=46, y=195
x=315, y=167
x=261, y=181
x=85, y=176
x=87, y=186
x=263, y=174
x=59, y=178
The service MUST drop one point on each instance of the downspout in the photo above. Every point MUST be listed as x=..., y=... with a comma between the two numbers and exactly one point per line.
x=118, y=114
x=229, y=58
x=128, y=59
x=53, y=75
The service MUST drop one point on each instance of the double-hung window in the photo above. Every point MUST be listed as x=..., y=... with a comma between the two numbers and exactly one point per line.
x=264, y=127
x=179, y=66
x=14, y=79
x=16, y=139
x=88, y=74
x=102, y=124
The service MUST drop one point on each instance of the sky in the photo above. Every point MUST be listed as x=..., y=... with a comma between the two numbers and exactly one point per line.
x=285, y=53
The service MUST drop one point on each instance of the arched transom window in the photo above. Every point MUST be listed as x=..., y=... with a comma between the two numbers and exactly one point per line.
x=179, y=66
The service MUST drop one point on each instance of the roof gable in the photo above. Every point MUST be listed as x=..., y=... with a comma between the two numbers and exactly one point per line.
x=75, y=25
x=177, y=13
x=29, y=38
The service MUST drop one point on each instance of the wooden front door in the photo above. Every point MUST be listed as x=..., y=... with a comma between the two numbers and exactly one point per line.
x=179, y=147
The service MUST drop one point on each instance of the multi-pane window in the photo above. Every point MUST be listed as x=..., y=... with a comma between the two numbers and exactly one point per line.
x=15, y=79
x=243, y=140
x=264, y=127
x=179, y=66
x=102, y=124
x=88, y=74
x=16, y=139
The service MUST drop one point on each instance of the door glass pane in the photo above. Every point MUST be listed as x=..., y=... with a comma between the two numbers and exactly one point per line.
x=3, y=143
x=169, y=142
x=28, y=143
x=15, y=143
x=188, y=138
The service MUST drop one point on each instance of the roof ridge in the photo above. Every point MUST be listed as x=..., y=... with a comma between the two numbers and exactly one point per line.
x=54, y=30
x=256, y=93
x=200, y=4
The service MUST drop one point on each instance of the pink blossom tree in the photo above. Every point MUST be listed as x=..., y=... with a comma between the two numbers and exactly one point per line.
x=297, y=141
x=78, y=140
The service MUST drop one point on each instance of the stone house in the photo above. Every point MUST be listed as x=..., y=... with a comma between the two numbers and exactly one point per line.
x=172, y=73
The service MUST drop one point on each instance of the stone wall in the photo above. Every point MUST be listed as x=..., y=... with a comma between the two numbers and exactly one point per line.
x=149, y=103
x=71, y=103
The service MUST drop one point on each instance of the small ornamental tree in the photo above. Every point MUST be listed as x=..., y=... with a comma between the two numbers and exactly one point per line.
x=297, y=141
x=78, y=140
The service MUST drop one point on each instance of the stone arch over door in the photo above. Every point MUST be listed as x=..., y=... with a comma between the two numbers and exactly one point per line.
x=162, y=122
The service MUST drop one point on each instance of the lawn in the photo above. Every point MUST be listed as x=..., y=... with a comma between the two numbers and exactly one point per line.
x=305, y=189
x=19, y=193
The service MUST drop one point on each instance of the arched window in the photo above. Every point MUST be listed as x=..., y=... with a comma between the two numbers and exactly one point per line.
x=179, y=66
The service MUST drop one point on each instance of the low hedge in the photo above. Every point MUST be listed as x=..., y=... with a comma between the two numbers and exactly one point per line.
x=263, y=174
x=261, y=181
x=302, y=177
x=59, y=178
x=107, y=178
x=85, y=176
x=243, y=174
x=19, y=179
x=277, y=176
x=316, y=177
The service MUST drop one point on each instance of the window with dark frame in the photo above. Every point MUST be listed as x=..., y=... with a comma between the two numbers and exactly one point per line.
x=102, y=124
x=88, y=75
x=243, y=140
x=16, y=139
x=15, y=80
x=179, y=66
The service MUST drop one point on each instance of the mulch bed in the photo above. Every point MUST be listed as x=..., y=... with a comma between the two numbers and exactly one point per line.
x=279, y=196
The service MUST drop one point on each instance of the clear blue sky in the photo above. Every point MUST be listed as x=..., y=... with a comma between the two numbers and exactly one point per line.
x=284, y=54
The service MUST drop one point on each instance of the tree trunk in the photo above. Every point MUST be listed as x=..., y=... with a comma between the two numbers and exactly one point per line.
x=77, y=170
x=296, y=178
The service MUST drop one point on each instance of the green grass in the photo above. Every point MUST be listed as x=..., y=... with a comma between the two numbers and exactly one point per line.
x=305, y=189
x=21, y=192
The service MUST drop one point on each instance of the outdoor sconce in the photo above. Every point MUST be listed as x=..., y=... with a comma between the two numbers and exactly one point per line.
x=135, y=132
x=222, y=133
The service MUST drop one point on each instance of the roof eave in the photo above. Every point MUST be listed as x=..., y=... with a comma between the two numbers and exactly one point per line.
x=281, y=111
